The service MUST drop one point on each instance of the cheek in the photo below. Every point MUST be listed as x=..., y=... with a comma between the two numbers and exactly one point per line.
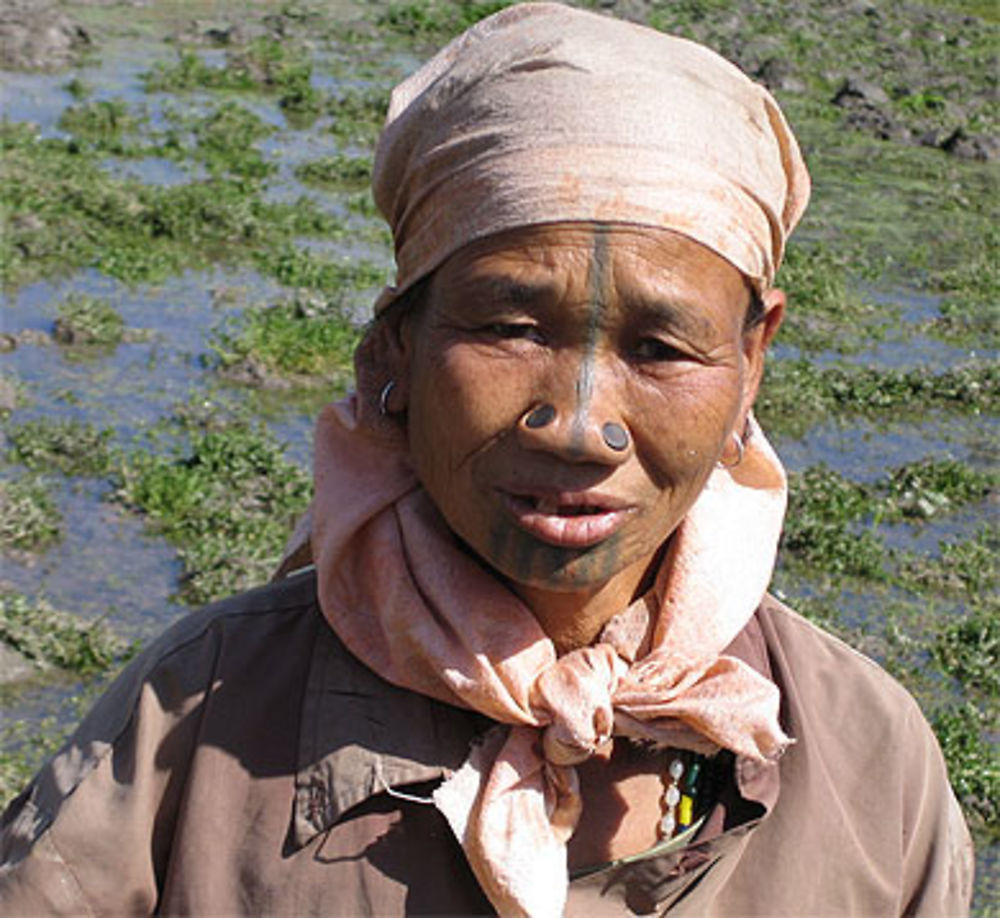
x=685, y=424
x=459, y=404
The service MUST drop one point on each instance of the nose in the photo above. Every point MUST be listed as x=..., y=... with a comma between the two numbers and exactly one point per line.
x=577, y=423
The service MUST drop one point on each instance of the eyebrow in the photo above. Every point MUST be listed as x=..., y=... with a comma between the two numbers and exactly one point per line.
x=517, y=292
x=676, y=314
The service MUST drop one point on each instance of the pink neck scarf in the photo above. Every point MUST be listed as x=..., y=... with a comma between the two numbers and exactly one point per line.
x=425, y=615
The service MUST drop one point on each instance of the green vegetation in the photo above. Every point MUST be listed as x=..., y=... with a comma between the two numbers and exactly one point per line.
x=967, y=567
x=823, y=313
x=227, y=500
x=832, y=523
x=100, y=125
x=68, y=446
x=969, y=650
x=298, y=339
x=225, y=141
x=88, y=320
x=29, y=518
x=435, y=21
x=336, y=171
x=358, y=115
x=973, y=764
x=62, y=211
x=798, y=393
x=48, y=637
x=295, y=267
x=265, y=65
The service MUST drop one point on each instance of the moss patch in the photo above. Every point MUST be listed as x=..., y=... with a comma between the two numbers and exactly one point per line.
x=307, y=337
x=88, y=320
x=29, y=517
x=71, y=447
x=49, y=637
x=228, y=500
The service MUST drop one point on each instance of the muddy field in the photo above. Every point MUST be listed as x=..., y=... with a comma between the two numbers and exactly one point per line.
x=188, y=248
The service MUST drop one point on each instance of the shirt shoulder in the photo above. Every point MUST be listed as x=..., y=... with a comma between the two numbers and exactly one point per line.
x=166, y=682
x=820, y=668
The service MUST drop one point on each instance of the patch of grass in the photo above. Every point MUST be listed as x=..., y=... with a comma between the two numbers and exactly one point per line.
x=68, y=446
x=291, y=339
x=225, y=141
x=61, y=211
x=970, y=307
x=436, y=20
x=29, y=517
x=77, y=88
x=832, y=522
x=358, y=115
x=967, y=567
x=969, y=650
x=973, y=764
x=336, y=171
x=101, y=125
x=797, y=393
x=266, y=65
x=227, y=500
x=48, y=637
x=296, y=267
x=88, y=320
x=928, y=487
x=823, y=312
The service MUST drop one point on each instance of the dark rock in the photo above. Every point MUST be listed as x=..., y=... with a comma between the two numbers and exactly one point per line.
x=872, y=120
x=982, y=147
x=38, y=36
x=857, y=92
x=205, y=32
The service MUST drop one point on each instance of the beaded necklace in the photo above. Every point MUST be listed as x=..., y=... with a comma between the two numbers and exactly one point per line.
x=681, y=789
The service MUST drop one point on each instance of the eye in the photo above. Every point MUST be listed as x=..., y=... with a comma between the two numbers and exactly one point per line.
x=654, y=349
x=516, y=330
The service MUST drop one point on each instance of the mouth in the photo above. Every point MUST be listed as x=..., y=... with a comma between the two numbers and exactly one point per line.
x=573, y=519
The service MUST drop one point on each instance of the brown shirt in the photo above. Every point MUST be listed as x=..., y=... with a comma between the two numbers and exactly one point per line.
x=242, y=765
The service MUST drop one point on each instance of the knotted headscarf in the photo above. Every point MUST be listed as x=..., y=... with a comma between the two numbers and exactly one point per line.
x=545, y=114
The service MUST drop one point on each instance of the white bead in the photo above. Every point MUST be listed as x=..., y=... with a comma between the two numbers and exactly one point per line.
x=672, y=796
x=667, y=824
x=676, y=769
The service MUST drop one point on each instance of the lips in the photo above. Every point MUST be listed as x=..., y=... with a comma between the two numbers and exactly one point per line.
x=569, y=519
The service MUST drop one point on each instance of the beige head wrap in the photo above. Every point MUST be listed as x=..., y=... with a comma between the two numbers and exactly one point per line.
x=542, y=113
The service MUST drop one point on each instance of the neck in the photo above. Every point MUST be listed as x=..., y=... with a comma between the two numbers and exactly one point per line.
x=573, y=619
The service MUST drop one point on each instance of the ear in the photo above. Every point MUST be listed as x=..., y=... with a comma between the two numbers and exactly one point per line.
x=756, y=341
x=383, y=357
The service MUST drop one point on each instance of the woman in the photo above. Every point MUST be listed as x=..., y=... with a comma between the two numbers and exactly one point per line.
x=533, y=669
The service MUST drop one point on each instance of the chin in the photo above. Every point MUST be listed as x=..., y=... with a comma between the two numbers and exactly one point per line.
x=523, y=559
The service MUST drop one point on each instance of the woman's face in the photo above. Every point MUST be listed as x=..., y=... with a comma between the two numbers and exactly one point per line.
x=529, y=345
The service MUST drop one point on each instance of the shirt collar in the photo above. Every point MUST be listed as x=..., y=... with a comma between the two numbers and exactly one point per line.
x=360, y=735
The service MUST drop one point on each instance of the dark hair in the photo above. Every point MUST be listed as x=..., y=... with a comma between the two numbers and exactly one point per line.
x=755, y=310
x=410, y=301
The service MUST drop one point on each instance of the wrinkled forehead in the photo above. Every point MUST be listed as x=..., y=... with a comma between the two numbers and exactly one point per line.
x=642, y=271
